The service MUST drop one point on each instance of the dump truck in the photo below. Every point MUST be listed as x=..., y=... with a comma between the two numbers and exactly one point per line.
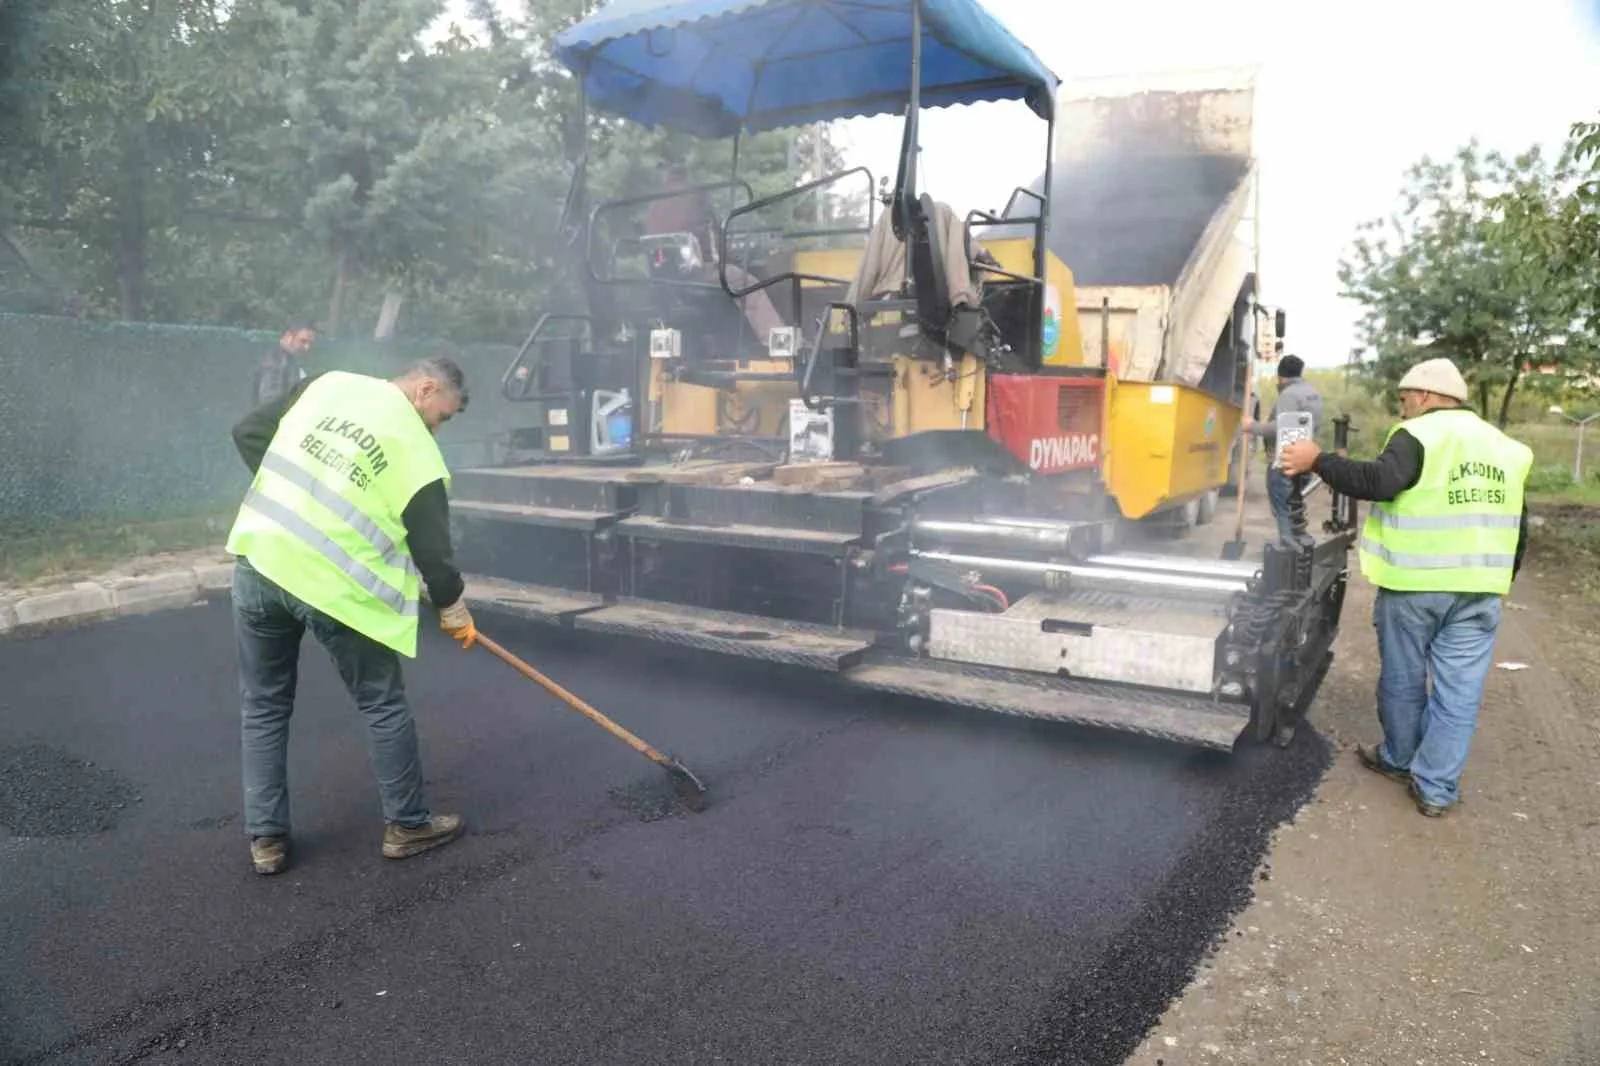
x=1152, y=181
x=902, y=480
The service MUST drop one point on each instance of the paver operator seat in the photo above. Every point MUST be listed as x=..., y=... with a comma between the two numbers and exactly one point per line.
x=939, y=279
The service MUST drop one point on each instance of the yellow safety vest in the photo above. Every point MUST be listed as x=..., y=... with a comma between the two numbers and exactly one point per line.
x=323, y=519
x=1456, y=529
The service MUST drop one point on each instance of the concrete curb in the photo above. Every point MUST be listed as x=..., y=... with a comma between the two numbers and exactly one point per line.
x=110, y=597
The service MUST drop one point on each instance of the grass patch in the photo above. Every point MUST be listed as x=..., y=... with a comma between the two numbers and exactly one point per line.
x=28, y=555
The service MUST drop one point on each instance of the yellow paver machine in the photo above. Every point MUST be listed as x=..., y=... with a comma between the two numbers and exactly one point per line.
x=890, y=442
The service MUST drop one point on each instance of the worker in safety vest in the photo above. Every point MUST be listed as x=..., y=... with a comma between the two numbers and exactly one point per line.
x=1443, y=542
x=347, y=508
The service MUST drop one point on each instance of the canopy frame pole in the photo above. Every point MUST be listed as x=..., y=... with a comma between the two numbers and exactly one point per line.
x=905, y=185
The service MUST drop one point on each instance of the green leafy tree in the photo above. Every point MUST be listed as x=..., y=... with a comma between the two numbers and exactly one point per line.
x=396, y=158
x=248, y=162
x=1448, y=274
x=109, y=124
x=1581, y=218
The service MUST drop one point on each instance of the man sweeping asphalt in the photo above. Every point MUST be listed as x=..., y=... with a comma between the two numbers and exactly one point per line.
x=1442, y=543
x=347, y=508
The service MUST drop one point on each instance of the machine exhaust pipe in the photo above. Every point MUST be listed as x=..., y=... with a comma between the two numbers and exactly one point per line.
x=1166, y=564
x=999, y=534
x=1149, y=582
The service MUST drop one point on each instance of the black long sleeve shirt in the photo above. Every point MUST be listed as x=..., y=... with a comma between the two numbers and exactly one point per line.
x=426, y=517
x=1397, y=469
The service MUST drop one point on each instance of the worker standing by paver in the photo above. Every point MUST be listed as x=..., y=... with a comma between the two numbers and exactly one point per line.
x=1443, y=542
x=1295, y=393
x=347, y=507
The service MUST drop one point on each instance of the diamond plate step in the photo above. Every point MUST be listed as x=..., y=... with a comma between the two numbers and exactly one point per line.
x=1195, y=722
x=536, y=603
x=746, y=636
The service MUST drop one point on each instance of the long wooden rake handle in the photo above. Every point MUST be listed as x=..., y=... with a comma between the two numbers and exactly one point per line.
x=576, y=704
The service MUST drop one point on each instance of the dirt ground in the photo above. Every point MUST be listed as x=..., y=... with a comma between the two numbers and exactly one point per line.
x=1378, y=936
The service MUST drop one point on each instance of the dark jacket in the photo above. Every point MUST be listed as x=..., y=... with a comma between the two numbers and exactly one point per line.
x=426, y=517
x=276, y=374
x=1390, y=474
x=1297, y=395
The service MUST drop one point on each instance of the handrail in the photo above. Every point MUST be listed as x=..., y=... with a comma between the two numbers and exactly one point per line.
x=1025, y=191
x=522, y=395
x=787, y=194
x=1001, y=272
x=812, y=401
x=633, y=201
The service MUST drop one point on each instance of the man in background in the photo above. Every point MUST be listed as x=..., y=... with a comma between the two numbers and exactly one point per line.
x=281, y=369
x=1294, y=394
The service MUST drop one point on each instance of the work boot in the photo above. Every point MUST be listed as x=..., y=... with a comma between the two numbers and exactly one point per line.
x=1368, y=754
x=402, y=842
x=269, y=855
x=1430, y=810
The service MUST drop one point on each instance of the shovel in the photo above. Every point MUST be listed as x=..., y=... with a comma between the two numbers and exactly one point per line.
x=1234, y=549
x=686, y=787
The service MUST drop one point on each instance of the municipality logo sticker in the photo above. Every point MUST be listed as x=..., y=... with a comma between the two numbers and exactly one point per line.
x=1211, y=421
x=1050, y=334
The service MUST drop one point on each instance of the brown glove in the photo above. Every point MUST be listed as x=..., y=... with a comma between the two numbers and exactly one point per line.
x=457, y=621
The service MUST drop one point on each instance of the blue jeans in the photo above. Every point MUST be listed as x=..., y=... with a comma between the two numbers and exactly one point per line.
x=1278, y=485
x=1446, y=638
x=269, y=624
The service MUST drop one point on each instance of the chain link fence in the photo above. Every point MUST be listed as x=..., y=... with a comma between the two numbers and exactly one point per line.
x=111, y=424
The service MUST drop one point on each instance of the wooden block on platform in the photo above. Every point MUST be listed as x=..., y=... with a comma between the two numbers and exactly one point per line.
x=890, y=493
x=713, y=473
x=818, y=476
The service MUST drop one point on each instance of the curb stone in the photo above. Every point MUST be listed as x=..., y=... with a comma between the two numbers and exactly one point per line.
x=111, y=597
x=155, y=592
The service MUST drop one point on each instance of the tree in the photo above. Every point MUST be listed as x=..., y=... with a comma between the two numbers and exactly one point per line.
x=243, y=162
x=1580, y=217
x=1451, y=274
x=394, y=157
x=110, y=127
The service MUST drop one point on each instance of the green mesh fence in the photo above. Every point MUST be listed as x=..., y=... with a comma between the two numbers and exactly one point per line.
x=131, y=422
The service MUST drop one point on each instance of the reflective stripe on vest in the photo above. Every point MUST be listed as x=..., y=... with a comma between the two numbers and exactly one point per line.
x=323, y=544
x=1416, y=561
x=1456, y=529
x=1444, y=521
x=348, y=512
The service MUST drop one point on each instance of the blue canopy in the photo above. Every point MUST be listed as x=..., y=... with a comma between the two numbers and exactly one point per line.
x=715, y=67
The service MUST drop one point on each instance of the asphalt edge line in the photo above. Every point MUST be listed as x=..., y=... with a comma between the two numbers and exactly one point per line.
x=101, y=599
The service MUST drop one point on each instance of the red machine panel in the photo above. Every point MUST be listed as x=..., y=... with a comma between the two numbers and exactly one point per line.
x=1050, y=423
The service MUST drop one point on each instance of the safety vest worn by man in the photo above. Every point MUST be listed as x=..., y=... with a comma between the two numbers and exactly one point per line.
x=1456, y=529
x=323, y=519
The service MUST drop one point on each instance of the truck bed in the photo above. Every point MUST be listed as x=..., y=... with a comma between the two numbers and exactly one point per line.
x=1136, y=221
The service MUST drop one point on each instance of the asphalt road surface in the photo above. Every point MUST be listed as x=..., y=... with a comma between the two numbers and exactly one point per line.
x=875, y=881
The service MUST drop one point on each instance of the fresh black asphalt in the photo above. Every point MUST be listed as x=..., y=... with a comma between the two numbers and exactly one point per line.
x=875, y=881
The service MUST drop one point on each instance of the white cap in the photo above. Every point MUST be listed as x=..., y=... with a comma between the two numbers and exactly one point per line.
x=1438, y=376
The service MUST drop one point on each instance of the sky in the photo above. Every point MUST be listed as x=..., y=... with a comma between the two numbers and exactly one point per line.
x=1348, y=95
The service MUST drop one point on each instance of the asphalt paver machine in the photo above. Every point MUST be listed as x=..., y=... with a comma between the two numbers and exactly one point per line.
x=902, y=479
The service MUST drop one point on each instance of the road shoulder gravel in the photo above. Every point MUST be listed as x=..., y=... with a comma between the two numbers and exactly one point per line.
x=1377, y=935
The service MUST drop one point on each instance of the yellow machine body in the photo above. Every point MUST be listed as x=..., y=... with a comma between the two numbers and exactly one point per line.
x=1168, y=444
x=1163, y=443
x=754, y=408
